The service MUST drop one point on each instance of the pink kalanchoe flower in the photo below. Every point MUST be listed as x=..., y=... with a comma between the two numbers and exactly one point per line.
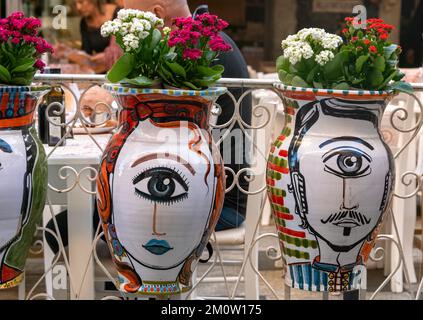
x=33, y=23
x=218, y=44
x=192, y=54
x=39, y=64
x=17, y=24
x=16, y=40
x=17, y=15
x=209, y=32
x=4, y=35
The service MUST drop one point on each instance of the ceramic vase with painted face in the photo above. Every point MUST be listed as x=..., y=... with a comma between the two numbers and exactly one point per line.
x=160, y=188
x=23, y=179
x=330, y=178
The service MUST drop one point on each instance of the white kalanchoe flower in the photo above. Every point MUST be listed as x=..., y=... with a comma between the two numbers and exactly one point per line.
x=133, y=26
x=298, y=50
x=166, y=31
x=324, y=57
x=331, y=41
x=131, y=42
x=308, y=43
x=316, y=34
x=146, y=24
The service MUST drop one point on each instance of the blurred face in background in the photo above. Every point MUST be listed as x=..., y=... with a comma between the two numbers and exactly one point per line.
x=143, y=5
x=160, y=8
x=86, y=8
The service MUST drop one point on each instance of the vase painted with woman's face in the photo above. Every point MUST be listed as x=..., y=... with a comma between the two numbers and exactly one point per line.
x=330, y=177
x=23, y=179
x=160, y=188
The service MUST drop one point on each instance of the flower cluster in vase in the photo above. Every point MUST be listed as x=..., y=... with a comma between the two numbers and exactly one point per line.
x=21, y=47
x=182, y=58
x=363, y=60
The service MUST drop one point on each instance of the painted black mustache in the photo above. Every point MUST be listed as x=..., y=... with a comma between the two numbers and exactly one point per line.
x=354, y=215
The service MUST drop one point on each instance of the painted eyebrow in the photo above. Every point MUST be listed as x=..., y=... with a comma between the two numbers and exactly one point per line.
x=354, y=139
x=165, y=156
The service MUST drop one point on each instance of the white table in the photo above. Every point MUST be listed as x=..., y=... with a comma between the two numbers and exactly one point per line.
x=78, y=154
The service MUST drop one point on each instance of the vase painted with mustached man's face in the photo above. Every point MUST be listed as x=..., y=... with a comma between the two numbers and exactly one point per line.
x=161, y=187
x=23, y=179
x=330, y=177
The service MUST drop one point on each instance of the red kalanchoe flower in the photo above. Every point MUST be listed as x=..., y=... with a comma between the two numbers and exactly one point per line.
x=373, y=49
x=345, y=31
x=192, y=54
x=366, y=42
x=384, y=36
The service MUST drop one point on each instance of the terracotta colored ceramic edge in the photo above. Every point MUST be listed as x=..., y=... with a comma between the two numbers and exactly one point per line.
x=284, y=87
x=119, y=89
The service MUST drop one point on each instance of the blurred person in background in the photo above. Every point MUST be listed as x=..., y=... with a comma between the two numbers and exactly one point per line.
x=94, y=13
x=412, y=35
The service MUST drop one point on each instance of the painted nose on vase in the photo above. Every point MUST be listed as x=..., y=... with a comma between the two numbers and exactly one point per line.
x=155, y=232
x=349, y=196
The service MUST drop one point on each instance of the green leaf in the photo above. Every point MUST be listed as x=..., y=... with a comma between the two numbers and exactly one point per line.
x=25, y=61
x=399, y=75
x=157, y=36
x=139, y=81
x=170, y=56
x=360, y=62
x=4, y=75
x=389, y=50
x=177, y=69
x=341, y=86
x=357, y=81
x=380, y=63
x=210, y=72
x=282, y=63
x=299, y=82
x=282, y=75
x=312, y=73
x=167, y=76
x=23, y=67
x=191, y=85
x=402, y=86
x=5, y=49
x=333, y=70
x=375, y=78
x=122, y=68
x=388, y=79
x=288, y=79
x=317, y=85
x=21, y=81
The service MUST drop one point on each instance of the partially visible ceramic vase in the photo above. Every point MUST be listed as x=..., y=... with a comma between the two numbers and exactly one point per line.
x=161, y=187
x=23, y=179
x=330, y=177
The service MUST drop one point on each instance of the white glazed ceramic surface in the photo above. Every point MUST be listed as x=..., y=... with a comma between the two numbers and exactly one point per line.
x=12, y=173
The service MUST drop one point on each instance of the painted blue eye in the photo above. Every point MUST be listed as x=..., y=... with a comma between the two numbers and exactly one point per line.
x=161, y=185
x=347, y=162
x=5, y=147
